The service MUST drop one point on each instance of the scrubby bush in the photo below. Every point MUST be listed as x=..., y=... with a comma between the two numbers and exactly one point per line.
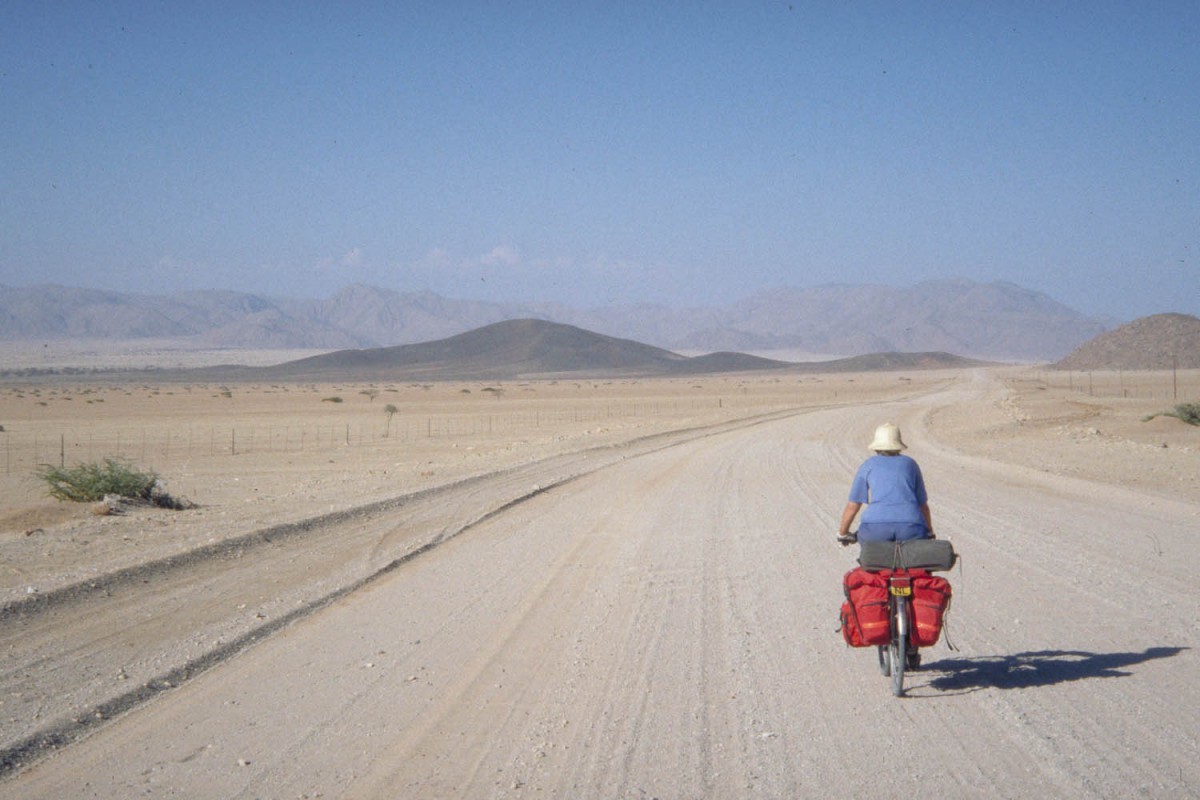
x=86, y=483
x=1188, y=412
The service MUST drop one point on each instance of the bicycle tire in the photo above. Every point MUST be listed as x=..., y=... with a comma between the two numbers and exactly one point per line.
x=885, y=659
x=899, y=646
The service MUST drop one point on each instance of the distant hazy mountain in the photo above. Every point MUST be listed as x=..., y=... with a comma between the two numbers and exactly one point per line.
x=996, y=320
x=993, y=320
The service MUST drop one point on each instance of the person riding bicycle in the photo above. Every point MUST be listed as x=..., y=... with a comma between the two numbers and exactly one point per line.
x=893, y=490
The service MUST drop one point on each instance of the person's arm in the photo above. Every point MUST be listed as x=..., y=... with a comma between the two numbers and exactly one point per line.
x=928, y=519
x=848, y=514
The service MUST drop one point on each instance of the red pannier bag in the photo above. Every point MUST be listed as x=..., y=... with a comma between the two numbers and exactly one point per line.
x=865, y=612
x=930, y=602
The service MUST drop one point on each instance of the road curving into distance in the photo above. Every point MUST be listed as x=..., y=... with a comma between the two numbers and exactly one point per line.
x=663, y=625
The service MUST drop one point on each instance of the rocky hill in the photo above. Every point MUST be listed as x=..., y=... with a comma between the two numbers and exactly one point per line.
x=1162, y=341
x=997, y=321
x=505, y=350
x=502, y=350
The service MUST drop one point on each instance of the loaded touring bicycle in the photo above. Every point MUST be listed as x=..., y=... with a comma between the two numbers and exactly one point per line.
x=894, y=603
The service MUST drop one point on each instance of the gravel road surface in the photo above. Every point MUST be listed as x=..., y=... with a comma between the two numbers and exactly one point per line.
x=659, y=625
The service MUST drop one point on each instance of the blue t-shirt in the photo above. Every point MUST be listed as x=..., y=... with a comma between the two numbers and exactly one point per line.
x=892, y=489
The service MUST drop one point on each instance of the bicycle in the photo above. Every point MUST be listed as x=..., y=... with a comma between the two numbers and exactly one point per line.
x=899, y=654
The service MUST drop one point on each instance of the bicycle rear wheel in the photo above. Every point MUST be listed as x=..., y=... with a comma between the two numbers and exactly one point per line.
x=899, y=646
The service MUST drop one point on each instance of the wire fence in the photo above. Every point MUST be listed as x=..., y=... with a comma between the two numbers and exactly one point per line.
x=161, y=445
x=1180, y=386
x=157, y=445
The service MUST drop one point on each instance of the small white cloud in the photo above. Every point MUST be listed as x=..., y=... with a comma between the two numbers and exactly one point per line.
x=501, y=255
x=437, y=258
x=441, y=259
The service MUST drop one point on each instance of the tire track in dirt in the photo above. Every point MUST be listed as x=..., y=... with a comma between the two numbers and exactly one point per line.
x=66, y=670
x=666, y=628
x=1046, y=584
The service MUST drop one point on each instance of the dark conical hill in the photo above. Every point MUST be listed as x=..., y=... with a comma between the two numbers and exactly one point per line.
x=510, y=349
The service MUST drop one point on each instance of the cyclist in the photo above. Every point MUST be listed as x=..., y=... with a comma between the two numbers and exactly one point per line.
x=893, y=490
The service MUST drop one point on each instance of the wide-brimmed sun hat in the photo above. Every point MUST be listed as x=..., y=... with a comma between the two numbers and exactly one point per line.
x=887, y=439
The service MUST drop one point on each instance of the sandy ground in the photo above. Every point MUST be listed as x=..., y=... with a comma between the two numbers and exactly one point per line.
x=595, y=589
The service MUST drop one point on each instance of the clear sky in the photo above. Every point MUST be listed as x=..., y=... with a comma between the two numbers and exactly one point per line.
x=682, y=153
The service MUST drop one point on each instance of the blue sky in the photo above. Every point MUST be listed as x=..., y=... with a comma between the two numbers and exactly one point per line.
x=681, y=153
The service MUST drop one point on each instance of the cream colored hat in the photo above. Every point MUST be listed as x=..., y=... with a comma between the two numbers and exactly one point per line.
x=887, y=438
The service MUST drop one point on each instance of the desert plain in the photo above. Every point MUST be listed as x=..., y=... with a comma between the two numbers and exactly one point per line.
x=601, y=587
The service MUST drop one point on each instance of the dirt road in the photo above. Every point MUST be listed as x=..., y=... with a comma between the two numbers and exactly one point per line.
x=664, y=627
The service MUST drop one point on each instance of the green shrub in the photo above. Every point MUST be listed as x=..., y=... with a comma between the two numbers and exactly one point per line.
x=334, y=399
x=91, y=482
x=1188, y=412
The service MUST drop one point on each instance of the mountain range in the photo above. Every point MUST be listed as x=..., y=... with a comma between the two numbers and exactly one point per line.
x=998, y=321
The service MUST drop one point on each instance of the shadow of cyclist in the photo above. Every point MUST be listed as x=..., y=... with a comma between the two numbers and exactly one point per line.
x=1040, y=668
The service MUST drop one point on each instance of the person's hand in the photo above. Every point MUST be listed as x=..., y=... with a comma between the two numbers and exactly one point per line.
x=845, y=539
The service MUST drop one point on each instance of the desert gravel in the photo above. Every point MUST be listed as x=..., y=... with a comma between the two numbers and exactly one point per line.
x=635, y=610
